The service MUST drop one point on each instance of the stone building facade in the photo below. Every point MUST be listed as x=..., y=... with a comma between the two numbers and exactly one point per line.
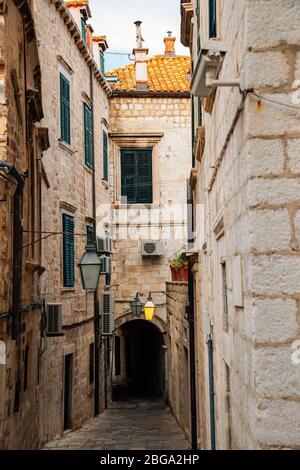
x=245, y=182
x=75, y=190
x=150, y=122
x=179, y=354
x=22, y=142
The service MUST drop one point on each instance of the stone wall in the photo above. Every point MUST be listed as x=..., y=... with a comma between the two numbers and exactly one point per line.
x=178, y=354
x=70, y=191
x=251, y=205
x=163, y=124
x=20, y=147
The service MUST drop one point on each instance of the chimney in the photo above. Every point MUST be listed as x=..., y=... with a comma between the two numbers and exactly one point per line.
x=170, y=45
x=89, y=37
x=140, y=56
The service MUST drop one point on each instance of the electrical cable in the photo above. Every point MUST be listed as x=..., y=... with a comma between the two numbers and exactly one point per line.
x=279, y=103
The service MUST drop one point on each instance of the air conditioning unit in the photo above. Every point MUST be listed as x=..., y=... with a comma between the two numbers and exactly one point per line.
x=108, y=313
x=105, y=264
x=153, y=248
x=54, y=319
x=104, y=245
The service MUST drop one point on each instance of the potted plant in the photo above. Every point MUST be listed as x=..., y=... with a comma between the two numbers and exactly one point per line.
x=179, y=268
x=184, y=268
x=174, y=266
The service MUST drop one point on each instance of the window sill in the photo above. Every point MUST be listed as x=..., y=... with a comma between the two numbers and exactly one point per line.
x=66, y=290
x=66, y=147
x=119, y=205
x=88, y=169
x=105, y=184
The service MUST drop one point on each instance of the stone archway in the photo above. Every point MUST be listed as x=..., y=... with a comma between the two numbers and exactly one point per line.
x=140, y=359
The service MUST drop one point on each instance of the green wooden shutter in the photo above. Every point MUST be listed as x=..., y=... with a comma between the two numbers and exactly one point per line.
x=68, y=251
x=102, y=62
x=212, y=18
x=105, y=156
x=90, y=235
x=65, y=109
x=88, y=142
x=136, y=176
x=128, y=177
x=83, y=29
x=144, y=176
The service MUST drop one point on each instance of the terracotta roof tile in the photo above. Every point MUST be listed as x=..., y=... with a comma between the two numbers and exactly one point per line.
x=165, y=74
x=78, y=3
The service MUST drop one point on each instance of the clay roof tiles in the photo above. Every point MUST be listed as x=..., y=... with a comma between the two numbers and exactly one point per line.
x=165, y=74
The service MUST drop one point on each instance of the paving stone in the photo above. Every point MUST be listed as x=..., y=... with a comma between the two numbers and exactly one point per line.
x=127, y=426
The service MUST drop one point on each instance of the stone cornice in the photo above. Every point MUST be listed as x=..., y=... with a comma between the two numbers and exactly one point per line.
x=81, y=46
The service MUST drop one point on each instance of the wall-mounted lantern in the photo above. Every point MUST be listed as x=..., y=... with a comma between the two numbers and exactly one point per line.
x=136, y=306
x=90, y=268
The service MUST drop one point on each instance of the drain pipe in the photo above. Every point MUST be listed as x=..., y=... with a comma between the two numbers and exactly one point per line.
x=96, y=301
x=193, y=392
x=211, y=393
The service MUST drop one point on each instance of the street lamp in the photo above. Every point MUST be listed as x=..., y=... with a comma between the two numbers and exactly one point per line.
x=149, y=308
x=136, y=305
x=90, y=267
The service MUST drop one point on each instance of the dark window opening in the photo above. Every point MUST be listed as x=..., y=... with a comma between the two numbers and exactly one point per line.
x=26, y=357
x=105, y=156
x=225, y=296
x=68, y=379
x=92, y=363
x=117, y=356
x=136, y=176
x=212, y=18
x=90, y=235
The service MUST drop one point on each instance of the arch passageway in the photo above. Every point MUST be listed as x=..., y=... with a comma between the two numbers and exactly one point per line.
x=139, y=369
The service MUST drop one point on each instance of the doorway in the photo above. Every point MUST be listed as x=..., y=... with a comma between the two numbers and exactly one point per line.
x=142, y=362
x=68, y=380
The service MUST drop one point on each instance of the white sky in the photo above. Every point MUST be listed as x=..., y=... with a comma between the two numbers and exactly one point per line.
x=115, y=19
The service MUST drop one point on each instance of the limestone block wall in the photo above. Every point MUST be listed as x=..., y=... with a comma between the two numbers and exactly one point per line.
x=250, y=239
x=138, y=120
x=18, y=418
x=70, y=191
x=178, y=354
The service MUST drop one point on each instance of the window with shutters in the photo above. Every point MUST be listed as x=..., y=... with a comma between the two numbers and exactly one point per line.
x=90, y=235
x=88, y=140
x=65, y=116
x=102, y=61
x=212, y=8
x=83, y=29
x=136, y=176
x=105, y=156
x=68, y=251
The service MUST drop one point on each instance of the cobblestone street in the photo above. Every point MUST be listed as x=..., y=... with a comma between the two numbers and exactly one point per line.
x=131, y=425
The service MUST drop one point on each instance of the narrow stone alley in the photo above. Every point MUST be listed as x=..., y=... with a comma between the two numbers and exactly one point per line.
x=131, y=425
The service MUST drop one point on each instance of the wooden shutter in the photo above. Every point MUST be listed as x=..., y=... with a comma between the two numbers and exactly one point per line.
x=105, y=156
x=83, y=29
x=212, y=18
x=90, y=235
x=65, y=109
x=68, y=251
x=88, y=142
x=102, y=62
x=144, y=176
x=136, y=176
